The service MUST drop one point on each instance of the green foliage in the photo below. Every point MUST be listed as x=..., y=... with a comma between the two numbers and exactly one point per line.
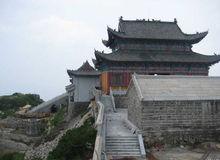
x=12, y=156
x=5, y=113
x=37, y=159
x=77, y=143
x=11, y=103
x=54, y=122
x=58, y=117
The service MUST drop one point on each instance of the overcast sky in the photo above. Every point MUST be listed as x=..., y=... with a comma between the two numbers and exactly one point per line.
x=41, y=39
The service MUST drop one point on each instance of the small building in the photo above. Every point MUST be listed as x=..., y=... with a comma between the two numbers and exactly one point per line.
x=175, y=109
x=149, y=47
x=83, y=81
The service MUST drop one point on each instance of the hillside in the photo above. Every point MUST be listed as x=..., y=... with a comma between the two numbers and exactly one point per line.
x=11, y=103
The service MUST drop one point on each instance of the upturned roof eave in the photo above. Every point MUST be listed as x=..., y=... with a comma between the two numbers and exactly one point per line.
x=211, y=59
x=77, y=73
x=189, y=38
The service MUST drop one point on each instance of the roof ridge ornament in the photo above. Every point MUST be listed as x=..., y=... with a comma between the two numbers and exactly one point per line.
x=120, y=18
x=175, y=20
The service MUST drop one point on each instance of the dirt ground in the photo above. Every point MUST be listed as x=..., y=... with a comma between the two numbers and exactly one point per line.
x=205, y=151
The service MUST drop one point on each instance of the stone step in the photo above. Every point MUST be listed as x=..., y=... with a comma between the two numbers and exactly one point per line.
x=123, y=149
x=128, y=145
x=132, y=139
x=124, y=154
x=121, y=140
x=119, y=157
x=129, y=142
x=122, y=145
x=122, y=137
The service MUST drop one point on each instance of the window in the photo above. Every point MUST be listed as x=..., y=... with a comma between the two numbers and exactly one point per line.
x=117, y=79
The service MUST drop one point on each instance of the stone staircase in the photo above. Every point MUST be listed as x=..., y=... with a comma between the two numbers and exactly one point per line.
x=107, y=102
x=120, y=140
x=123, y=147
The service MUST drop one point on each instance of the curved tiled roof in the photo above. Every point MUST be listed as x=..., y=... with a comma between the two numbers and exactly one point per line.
x=156, y=30
x=85, y=70
x=156, y=56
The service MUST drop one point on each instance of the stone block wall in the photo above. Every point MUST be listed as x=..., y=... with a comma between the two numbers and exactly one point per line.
x=175, y=122
x=120, y=101
x=134, y=107
x=181, y=121
x=30, y=126
x=76, y=108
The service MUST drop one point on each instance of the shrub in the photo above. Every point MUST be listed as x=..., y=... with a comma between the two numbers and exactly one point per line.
x=11, y=103
x=12, y=156
x=77, y=143
x=58, y=117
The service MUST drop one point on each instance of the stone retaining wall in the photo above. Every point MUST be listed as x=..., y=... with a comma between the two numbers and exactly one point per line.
x=120, y=101
x=175, y=122
x=32, y=126
x=181, y=121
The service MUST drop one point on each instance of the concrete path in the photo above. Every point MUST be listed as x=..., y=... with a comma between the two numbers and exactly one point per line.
x=116, y=124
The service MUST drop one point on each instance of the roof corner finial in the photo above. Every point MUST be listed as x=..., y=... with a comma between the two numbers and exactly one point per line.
x=175, y=20
x=120, y=18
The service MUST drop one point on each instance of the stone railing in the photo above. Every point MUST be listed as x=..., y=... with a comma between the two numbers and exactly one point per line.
x=101, y=131
x=141, y=144
x=113, y=100
x=97, y=94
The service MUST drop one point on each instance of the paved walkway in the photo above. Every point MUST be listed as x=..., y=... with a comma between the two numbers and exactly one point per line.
x=116, y=123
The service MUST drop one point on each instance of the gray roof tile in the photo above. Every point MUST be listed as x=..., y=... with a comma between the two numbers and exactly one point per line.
x=85, y=70
x=141, y=29
x=156, y=56
x=165, y=88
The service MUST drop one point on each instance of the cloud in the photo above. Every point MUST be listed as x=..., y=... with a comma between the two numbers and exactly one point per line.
x=5, y=29
x=55, y=30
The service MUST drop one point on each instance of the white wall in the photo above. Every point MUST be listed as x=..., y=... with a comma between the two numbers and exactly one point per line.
x=84, y=86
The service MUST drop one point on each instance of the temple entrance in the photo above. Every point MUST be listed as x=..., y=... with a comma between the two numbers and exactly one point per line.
x=53, y=108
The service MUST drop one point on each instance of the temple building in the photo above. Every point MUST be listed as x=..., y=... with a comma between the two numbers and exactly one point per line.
x=149, y=47
x=83, y=81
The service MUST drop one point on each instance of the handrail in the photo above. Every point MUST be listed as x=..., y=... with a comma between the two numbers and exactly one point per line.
x=97, y=94
x=113, y=99
x=141, y=144
x=100, y=138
